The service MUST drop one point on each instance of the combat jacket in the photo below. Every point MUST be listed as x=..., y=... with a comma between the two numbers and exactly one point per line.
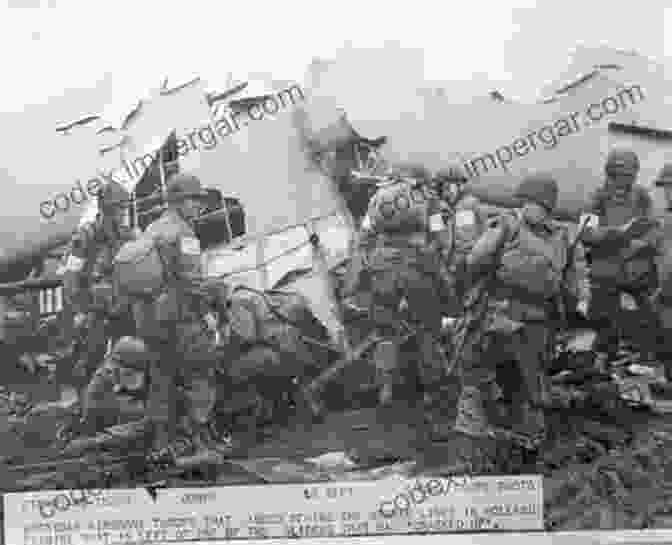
x=89, y=266
x=184, y=299
x=628, y=261
x=532, y=265
x=405, y=216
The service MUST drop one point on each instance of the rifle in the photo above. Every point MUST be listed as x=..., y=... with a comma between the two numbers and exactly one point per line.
x=106, y=466
x=572, y=247
x=312, y=392
x=562, y=301
x=67, y=472
x=476, y=307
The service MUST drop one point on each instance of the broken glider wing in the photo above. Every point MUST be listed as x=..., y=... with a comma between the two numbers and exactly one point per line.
x=497, y=142
x=286, y=198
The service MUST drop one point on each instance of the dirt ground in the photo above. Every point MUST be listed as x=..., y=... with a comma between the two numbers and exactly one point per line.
x=602, y=470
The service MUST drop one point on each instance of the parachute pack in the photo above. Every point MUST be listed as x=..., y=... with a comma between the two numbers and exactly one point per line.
x=138, y=268
x=399, y=206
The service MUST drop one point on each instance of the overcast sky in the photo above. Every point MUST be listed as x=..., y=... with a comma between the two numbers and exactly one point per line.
x=62, y=59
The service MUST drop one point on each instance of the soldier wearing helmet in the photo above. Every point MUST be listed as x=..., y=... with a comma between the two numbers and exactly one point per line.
x=522, y=256
x=663, y=296
x=117, y=392
x=178, y=326
x=87, y=280
x=401, y=248
x=449, y=182
x=664, y=180
x=628, y=267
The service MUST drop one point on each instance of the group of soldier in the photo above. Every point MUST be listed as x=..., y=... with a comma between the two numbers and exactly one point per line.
x=423, y=254
x=512, y=279
x=158, y=348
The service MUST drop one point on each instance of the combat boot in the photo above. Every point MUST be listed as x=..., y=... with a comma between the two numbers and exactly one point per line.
x=472, y=418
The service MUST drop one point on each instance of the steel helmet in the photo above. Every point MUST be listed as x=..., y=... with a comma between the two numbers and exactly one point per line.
x=454, y=173
x=184, y=185
x=539, y=188
x=131, y=352
x=622, y=162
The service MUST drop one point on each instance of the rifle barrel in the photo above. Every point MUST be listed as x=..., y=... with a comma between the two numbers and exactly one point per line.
x=58, y=463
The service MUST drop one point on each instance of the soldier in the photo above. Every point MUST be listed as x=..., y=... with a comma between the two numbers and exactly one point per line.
x=118, y=390
x=448, y=184
x=463, y=215
x=404, y=269
x=523, y=256
x=87, y=285
x=628, y=266
x=177, y=325
x=664, y=180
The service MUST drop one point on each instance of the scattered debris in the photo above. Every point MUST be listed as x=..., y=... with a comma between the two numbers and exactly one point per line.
x=604, y=465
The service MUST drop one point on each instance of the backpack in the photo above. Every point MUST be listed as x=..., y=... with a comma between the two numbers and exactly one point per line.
x=399, y=207
x=139, y=269
x=276, y=319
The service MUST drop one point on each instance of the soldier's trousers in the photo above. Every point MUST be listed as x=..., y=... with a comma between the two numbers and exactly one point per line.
x=407, y=275
x=606, y=310
x=182, y=386
x=95, y=347
x=529, y=348
x=532, y=349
